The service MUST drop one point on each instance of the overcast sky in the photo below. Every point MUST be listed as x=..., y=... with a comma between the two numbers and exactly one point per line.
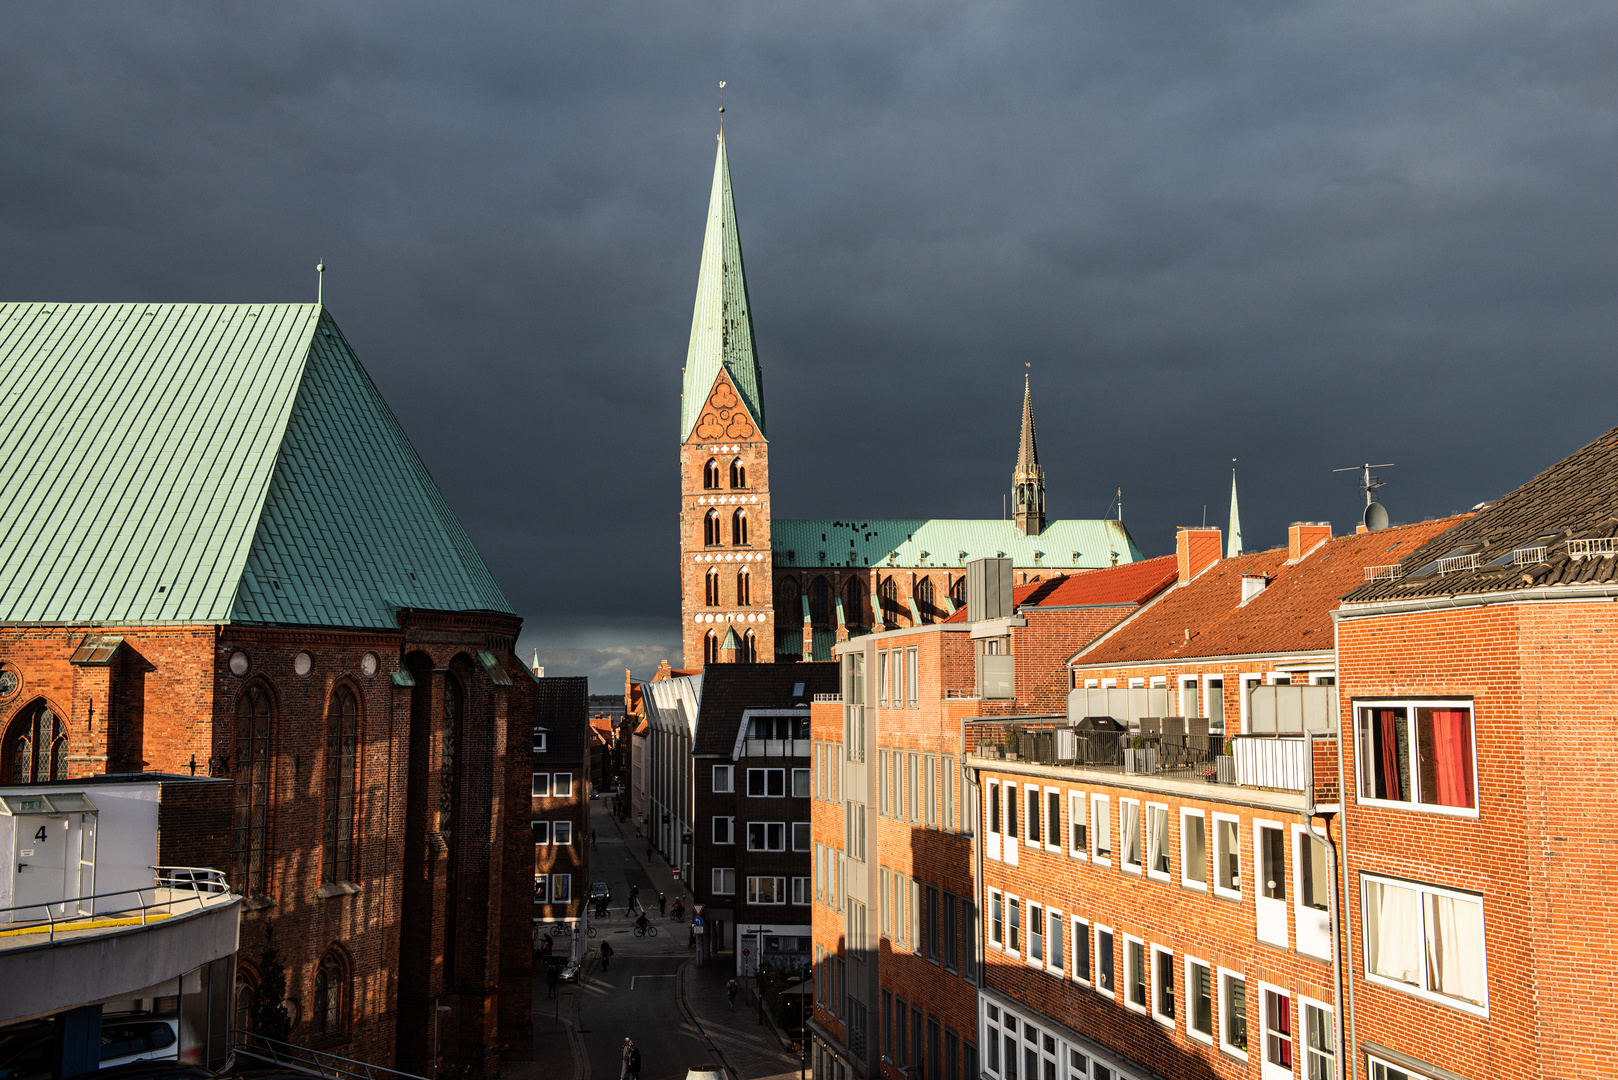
x=1302, y=235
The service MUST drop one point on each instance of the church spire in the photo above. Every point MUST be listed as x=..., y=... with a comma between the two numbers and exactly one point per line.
x=1028, y=482
x=722, y=322
x=1233, y=546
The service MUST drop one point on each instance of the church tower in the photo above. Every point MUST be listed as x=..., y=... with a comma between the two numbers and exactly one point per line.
x=726, y=606
x=1028, y=482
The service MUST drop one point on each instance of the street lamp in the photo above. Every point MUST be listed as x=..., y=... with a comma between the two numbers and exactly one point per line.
x=437, y=1011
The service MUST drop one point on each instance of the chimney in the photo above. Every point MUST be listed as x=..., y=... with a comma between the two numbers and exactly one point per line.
x=1253, y=584
x=1197, y=549
x=1304, y=535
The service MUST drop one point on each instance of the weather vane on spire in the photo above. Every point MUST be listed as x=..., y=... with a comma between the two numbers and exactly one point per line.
x=721, y=107
x=320, y=283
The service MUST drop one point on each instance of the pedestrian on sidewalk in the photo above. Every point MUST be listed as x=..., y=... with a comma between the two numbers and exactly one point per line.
x=606, y=955
x=730, y=992
x=634, y=893
x=634, y=1062
x=552, y=980
x=629, y=1048
x=662, y=904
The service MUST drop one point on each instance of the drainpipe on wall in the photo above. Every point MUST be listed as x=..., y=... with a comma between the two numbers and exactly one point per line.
x=1342, y=827
x=977, y=868
x=1338, y=922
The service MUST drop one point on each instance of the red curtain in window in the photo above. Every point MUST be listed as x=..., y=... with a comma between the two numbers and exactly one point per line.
x=1388, y=744
x=1452, y=744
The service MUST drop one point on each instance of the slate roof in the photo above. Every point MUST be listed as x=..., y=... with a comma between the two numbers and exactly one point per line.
x=561, y=707
x=1292, y=614
x=941, y=542
x=212, y=463
x=728, y=690
x=722, y=322
x=1574, y=500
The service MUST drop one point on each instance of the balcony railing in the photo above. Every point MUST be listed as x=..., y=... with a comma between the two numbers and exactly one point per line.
x=828, y=697
x=1250, y=760
x=1596, y=547
x=176, y=890
x=775, y=748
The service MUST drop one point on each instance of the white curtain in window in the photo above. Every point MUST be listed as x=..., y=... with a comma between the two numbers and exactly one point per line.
x=1392, y=932
x=1455, y=947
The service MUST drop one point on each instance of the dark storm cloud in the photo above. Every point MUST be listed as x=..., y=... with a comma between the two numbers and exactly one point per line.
x=1301, y=235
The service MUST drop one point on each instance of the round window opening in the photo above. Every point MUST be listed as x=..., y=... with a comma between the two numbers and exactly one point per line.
x=238, y=663
x=368, y=664
x=10, y=682
x=303, y=663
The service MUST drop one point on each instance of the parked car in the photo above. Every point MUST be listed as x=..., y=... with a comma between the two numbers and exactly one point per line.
x=570, y=973
x=25, y=1054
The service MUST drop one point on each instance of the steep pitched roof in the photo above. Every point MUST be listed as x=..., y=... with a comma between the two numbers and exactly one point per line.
x=722, y=323
x=561, y=707
x=1027, y=448
x=1206, y=616
x=940, y=542
x=1131, y=584
x=1574, y=500
x=213, y=463
x=728, y=690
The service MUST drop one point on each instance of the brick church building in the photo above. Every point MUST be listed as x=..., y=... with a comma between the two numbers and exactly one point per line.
x=755, y=588
x=222, y=556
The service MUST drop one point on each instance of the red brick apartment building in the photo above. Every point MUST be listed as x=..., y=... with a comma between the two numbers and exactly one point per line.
x=896, y=990
x=222, y=557
x=1478, y=708
x=559, y=801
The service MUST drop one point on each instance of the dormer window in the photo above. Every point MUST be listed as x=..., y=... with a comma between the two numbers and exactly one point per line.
x=710, y=475
x=738, y=474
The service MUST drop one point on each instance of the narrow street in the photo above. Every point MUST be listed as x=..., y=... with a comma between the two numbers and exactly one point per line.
x=637, y=995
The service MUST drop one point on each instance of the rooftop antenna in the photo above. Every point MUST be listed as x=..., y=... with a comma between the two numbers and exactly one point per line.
x=1120, y=504
x=1376, y=515
x=320, y=283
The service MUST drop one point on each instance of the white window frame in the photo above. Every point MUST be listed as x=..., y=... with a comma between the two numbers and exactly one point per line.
x=558, y=782
x=1036, y=935
x=1301, y=1039
x=542, y=786
x=912, y=677
x=808, y=784
x=1267, y=1069
x=719, y=881
x=779, y=890
x=724, y=779
x=1241, y=863
x=802, y=894
x=1155, y=991
x=1095, y=961
x=1055, y=945
x=1138, y=682
x=1186, y=880
x=1261, y=903
x=1031, y=797
x=1129, y=973
x=536, y=828
x=1191, y=681
x=1053, y=837
x=1082, y=926
x=557, y=830
x=1100, y=818
x=1013, y=904
x=1092, y=684
x=1188, y=962
x=540, y=740
x=730, y=829
x=767, y=826
x=1155, y=844
x=1109, y=684
x=1078, y=810
x=1422, y=991
x=1207, y=696
x=1309, y=922
x=1221, y=1023
x=996, y=935
x=1246, y=681
x=765, y=774
x=1123, y=834
x=1373, y=1062
x=1414, y=804
x=883, y=678
x=801, y=828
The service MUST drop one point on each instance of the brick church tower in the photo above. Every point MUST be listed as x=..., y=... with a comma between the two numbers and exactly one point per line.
x=726, y=608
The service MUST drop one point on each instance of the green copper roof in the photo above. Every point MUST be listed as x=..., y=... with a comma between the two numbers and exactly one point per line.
x=722, y=324
x=212, y=463
x=949, y=543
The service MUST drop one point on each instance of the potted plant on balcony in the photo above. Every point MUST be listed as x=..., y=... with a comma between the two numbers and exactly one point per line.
x=1010, y=752
x=1225, y=764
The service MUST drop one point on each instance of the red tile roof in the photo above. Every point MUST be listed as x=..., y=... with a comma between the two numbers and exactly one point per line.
x=1206, y=617
x=1133, y=583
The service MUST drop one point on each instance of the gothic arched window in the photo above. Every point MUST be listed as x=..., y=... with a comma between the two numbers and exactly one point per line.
x=710, y=529
x=820, y=602
x=36, y=745
x=744, y=588
x=788, y=600
x=738, y=474
x=711, y=591
x=889, y=590
x=252, y=870
x=738, y=527
x=924, y=599
x=749, y=649
x=246, y=995
x=342, y=748
x=710, y=648
x=448, y=787
x=710, y=474
x=331, y=996
x=854, y=602
x=957, y=592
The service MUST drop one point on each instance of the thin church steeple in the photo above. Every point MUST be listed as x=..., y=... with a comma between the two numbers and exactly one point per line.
x=1233, y=544
x=1028, y=482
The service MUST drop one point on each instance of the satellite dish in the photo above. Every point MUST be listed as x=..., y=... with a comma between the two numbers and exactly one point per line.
x=1376, y=516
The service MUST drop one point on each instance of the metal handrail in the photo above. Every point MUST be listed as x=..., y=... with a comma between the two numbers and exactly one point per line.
x=201, y=880
x=303, y=1059
x=1389, y=572
x=1595, y=546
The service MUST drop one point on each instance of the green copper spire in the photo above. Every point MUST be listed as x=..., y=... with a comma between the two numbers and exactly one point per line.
x=1233, y=543
x=722, y=324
